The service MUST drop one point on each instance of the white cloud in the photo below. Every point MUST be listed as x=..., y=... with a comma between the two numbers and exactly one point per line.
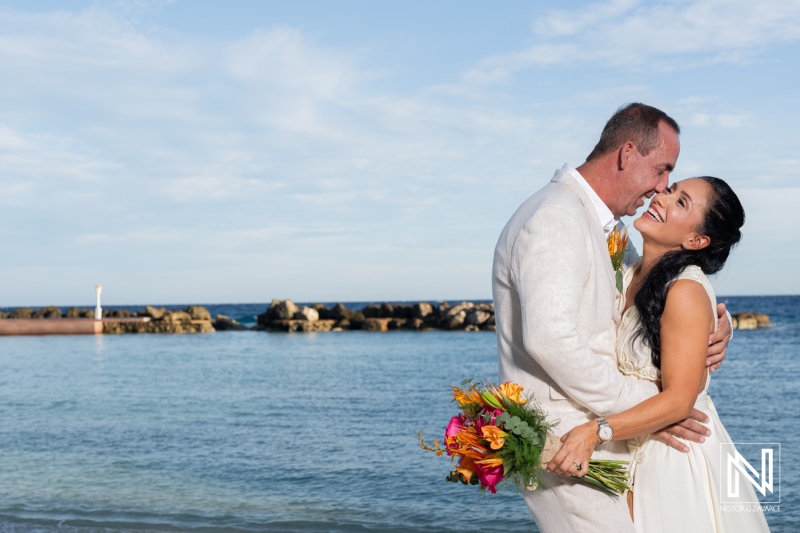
x=722, y=120
x=695, y=100
x=567, y=23
x=11, y=140
x=727, y=120
x=124, y=143
x=125, y=147
x=627, y=33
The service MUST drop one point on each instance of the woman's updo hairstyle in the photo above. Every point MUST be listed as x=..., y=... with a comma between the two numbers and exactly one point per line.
x=722, y=225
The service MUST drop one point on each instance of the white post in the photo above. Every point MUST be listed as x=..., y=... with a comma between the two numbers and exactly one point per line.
x=98, y=311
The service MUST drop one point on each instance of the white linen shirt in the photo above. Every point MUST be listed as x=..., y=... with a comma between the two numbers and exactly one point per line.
x=604, y=214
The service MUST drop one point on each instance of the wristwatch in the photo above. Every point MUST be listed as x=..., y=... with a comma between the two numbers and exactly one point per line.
x=604, y=431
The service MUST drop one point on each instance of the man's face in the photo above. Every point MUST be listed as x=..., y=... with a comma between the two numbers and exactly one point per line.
x=646, y=175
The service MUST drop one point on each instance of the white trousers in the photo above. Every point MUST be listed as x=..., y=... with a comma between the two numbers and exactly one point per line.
x=567, y=506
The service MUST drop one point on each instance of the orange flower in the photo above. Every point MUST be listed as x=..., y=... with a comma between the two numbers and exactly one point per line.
x=617, y=242
x=495, y=436
x=468, y=397
x=469, y=444
x=491, y=461
x=466, y=468
x=512, y=391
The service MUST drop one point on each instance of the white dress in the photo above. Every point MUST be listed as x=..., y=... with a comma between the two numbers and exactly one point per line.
x=675, y=491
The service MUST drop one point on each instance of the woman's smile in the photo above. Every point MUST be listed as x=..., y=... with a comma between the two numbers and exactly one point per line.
x=651, y=211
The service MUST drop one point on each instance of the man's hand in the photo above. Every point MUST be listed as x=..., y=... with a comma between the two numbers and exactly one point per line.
x=688, y=429
x=718, y=341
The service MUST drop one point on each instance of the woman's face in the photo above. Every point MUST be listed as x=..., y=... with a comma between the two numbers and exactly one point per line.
x=672, y=220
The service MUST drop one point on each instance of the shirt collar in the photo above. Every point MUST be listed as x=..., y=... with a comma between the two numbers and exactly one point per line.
x=604, y=214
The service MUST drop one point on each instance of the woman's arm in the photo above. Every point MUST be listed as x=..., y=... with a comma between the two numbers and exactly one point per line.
x=685, y=326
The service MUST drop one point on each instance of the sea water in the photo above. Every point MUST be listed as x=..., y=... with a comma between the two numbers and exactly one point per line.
x=254, y=431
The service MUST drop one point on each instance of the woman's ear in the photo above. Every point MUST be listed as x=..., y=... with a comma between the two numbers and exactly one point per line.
x=696, y=242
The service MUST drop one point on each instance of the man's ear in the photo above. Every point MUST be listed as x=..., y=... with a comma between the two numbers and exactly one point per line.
x=625, y=153
x=696, y=242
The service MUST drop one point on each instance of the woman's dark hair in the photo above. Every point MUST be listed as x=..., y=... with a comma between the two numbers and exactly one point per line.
x=722, y=225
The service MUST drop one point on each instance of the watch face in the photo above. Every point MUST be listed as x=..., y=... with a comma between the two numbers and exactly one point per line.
x=605, y=432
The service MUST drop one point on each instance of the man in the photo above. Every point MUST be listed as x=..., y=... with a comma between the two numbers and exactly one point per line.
x=554, y=293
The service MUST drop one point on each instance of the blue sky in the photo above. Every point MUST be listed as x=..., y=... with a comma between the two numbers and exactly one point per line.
x=198, y=151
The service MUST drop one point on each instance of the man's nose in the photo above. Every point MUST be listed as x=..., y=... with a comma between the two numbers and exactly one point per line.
x=661, y=186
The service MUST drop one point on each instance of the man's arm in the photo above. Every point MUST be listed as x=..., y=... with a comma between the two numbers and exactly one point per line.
x=550, y=268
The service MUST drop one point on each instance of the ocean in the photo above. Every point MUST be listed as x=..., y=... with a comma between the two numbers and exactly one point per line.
x=254, y=431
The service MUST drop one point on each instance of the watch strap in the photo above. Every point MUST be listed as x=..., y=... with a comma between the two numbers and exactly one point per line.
x=601, y=424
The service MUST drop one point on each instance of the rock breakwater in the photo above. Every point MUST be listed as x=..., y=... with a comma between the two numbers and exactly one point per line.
x=193, y=319
x=285, y=315
x=750, y=321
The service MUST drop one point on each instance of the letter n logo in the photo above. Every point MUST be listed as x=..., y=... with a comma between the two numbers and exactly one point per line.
x=737, y=471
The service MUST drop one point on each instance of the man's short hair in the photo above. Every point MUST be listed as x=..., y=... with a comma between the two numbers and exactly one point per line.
x=633, y=122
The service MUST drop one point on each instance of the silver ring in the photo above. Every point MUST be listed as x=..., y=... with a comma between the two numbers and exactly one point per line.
x=578, y=466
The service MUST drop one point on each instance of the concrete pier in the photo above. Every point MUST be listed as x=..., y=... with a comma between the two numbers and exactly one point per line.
x=59, y=326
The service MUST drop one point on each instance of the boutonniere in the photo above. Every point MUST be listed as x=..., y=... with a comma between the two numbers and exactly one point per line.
x=617, y=242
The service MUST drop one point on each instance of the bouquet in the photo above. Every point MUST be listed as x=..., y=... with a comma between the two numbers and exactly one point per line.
x=498, y=435
x=617, y=242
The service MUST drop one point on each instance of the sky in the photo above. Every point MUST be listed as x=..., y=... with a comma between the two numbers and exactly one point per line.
x=197, y=151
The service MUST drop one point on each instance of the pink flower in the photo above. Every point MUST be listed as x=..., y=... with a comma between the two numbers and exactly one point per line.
x=453, y=429
x=489, y=476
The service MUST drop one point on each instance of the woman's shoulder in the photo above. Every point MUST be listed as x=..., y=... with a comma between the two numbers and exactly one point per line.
x=695, y=273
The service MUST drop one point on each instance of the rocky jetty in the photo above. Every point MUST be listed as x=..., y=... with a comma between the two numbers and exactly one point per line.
x=285, y=315
x=750, y=321
x=193, y=319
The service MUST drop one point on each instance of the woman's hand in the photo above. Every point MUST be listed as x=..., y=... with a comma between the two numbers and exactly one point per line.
x=576, y=450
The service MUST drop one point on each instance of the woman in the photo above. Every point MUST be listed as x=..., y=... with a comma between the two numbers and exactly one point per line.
x=668, y=312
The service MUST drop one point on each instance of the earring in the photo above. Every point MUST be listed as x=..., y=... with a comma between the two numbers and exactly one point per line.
x=683, y=246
